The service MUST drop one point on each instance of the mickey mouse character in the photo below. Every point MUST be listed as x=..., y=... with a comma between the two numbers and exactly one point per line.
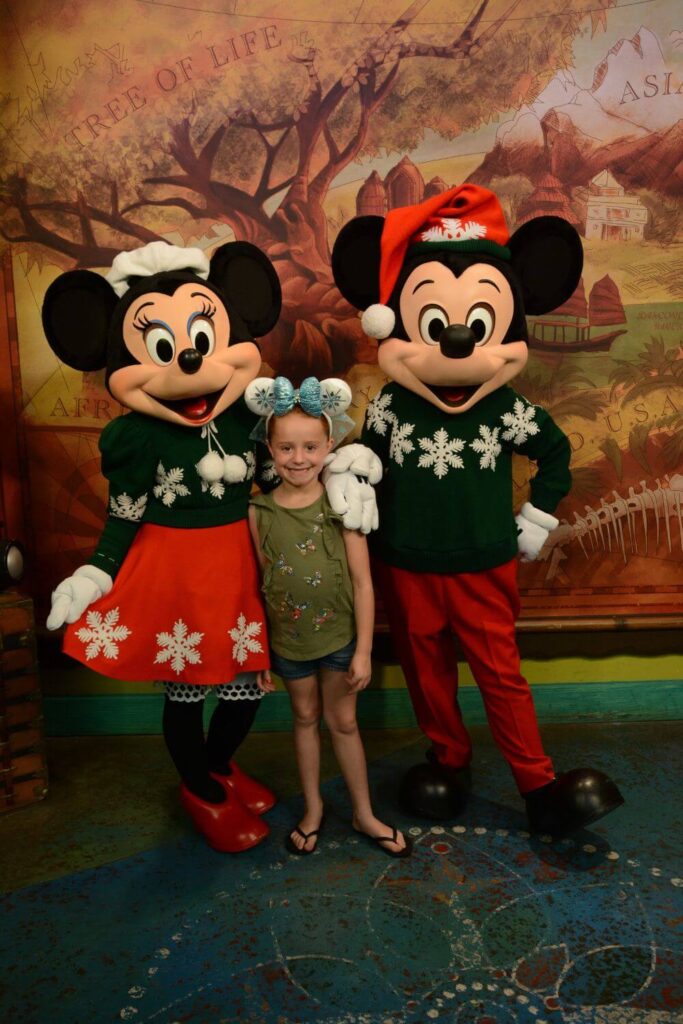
x=172, y=590
x=444, y=288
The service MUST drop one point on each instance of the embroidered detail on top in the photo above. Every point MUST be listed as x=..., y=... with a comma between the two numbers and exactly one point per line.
x=305, y=546
x=169, y=484
x=520, y=422
x=289, y=605
x=282, y=567
x=102, y=634
x=440, y=453
x=244, y=639
x=487, y=446
x=315, y=580
x=178, y=647
x=125, y=507
x=379, y=415
x=323, y=616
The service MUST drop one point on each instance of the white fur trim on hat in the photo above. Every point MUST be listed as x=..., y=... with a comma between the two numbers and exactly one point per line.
x=378, y=321
x=155, y=258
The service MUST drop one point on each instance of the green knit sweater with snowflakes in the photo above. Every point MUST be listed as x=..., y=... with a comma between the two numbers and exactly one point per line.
x=445, y=502
x=151, y=467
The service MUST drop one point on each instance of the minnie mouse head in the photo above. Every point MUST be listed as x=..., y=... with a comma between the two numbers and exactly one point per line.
x=445, y=290
x=174, y=330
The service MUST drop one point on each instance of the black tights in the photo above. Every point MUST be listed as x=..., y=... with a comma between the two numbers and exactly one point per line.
x=193, y=755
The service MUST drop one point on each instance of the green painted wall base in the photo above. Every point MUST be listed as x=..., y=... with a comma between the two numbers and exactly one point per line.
x=117, y=714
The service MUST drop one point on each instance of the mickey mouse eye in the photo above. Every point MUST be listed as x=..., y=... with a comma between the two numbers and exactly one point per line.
x=432, y=321
x=160, y=344
x=481, y=320
x=203, y=335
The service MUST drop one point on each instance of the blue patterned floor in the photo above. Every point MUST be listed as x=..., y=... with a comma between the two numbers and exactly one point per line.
x=483, y=925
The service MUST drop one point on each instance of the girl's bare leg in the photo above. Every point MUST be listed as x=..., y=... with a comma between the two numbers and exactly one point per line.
x=304, y=695
x=339, y=712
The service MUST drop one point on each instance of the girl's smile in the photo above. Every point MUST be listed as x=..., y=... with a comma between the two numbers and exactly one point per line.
x=299, y=445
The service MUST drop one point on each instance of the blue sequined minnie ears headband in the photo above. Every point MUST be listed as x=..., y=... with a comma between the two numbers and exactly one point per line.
x=329, y=398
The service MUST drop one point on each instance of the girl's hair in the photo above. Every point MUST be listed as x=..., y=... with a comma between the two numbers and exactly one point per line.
x=297, y=408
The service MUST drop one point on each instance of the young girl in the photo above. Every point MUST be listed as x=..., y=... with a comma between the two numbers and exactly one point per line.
x=319, y=598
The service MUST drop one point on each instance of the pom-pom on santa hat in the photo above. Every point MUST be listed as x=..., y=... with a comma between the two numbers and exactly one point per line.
x=467, y=218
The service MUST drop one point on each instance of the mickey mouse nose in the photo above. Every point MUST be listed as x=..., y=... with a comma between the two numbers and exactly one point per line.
x=190, y=360
x=457, y=341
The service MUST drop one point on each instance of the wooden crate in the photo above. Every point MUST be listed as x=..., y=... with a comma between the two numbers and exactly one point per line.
x=23, y=767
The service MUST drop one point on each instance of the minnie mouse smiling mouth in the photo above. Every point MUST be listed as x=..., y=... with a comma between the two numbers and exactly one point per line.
x=193, y=408
x=453, y=395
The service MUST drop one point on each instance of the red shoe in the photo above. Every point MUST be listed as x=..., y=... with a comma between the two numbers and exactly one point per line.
x=228, y=827
x=254, y=795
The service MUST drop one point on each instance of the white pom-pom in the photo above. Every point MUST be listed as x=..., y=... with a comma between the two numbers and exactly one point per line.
x=234, y=469
x=378, y=321
x=210, y=468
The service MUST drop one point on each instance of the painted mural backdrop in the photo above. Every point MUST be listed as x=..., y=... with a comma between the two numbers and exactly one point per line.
x=198, y=122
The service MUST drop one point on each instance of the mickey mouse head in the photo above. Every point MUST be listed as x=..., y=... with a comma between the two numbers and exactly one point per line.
x=445, y=290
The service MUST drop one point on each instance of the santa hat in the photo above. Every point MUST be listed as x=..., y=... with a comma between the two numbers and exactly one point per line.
x=467, y=218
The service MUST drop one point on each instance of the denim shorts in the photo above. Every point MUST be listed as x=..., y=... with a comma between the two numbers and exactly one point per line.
x=338, y=661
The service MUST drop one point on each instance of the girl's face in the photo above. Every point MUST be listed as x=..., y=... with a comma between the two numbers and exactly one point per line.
x=299, y=445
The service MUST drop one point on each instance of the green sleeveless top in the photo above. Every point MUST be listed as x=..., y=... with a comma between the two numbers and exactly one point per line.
x=306, y=582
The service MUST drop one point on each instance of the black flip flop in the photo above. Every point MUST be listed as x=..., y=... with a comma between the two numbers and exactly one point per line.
x=393, y=838
x=291, y=846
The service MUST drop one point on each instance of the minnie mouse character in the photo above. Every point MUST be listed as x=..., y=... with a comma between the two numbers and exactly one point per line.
x=172, y=590
x=444, y=288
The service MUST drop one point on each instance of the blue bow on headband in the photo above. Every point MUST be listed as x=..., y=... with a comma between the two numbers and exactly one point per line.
x=308, y=396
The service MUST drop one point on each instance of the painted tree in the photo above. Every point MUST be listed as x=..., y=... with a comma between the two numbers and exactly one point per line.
x=256, y=148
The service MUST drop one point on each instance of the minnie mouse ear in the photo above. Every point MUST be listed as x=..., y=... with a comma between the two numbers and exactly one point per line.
x=335, y=396
x=77, y=310
x=260, y=396
x=249, y=283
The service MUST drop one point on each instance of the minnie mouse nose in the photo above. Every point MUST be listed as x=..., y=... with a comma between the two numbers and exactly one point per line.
x=190, y=360
x=457, y=341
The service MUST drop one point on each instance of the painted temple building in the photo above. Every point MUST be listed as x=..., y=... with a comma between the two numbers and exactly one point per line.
x=612, y=215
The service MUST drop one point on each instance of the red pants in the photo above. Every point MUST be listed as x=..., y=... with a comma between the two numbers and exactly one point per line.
x=424, y=610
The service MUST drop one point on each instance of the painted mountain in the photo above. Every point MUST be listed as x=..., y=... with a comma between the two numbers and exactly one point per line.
x=630, y=122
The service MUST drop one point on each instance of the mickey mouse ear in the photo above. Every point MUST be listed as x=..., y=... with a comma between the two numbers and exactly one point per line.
x=335, y=396
x=260, y=396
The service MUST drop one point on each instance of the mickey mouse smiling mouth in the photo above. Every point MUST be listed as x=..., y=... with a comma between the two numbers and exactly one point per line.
x=453, y=395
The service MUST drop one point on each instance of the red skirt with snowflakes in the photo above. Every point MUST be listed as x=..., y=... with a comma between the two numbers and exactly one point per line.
x=185, y=606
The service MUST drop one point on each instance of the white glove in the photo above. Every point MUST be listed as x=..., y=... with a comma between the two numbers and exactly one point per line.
x=358, y=459
x=533, y=527
x=353, y=499
x=74, y=594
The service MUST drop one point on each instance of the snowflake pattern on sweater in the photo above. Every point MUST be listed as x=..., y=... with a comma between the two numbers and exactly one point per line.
x=441, y=453
x=487, y=446
x=520, y=423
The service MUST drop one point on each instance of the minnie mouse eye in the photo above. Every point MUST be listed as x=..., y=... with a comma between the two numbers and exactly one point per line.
x=481, y=320
x=160, y=344
x=203, y=335
x=432, y=321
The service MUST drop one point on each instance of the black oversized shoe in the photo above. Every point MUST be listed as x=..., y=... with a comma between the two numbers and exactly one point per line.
x=432, y=791
x=572, y=801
